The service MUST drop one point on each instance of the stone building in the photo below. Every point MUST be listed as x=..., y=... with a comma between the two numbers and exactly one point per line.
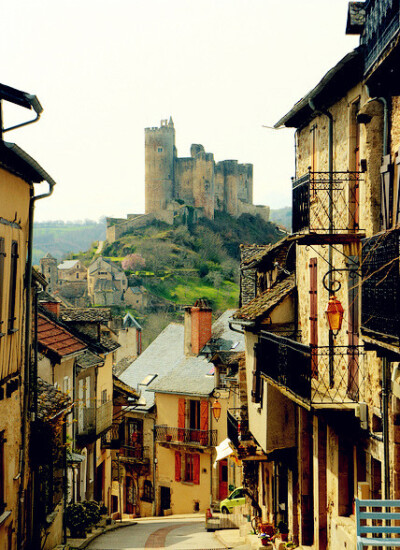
x=337, y=390
x=48, y=268
x=182, y=189
x=107, y=283
x=196, y=181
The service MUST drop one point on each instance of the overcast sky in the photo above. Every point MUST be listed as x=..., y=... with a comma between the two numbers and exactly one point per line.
x=105, y=70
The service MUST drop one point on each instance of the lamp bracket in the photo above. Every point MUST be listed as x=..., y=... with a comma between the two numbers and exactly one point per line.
x=333, y=285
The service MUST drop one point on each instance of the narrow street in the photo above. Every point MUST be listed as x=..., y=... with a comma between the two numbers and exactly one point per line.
x=182, y=533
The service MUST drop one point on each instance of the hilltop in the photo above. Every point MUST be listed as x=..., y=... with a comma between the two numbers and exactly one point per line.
x=180, y=264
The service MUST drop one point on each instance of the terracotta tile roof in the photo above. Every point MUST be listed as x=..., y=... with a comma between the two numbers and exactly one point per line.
x=56, y=339
x=85, y=315
x=265, y=302
x=50, y=400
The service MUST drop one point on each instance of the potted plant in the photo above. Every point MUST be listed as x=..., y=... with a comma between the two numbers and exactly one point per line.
x=93, y=515
x=168, y=437
x=76, y=520
x=283, y=530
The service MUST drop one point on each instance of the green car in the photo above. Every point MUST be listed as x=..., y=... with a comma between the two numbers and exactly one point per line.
x=236, y=498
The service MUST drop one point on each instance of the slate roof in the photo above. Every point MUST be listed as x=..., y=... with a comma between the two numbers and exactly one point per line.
x=44, y=296
x=88, y=359
x=124, y=388
x=51, y=401
x=254, y=255
x=355, y=18
x=57, y=339
x=123, y=364
x=67, y=264
x=190, y=377
x=160, y=358
x=223, y=338
x=90, y=334
x=266, y=301
x=85, y=315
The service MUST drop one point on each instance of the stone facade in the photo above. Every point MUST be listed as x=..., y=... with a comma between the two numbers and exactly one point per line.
x=197, y=181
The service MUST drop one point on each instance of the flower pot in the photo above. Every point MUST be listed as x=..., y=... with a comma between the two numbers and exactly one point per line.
x=266, y=542
x=284, y=536
x=168, y=437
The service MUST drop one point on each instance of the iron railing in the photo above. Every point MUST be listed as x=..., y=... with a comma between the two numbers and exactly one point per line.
x=326, y=202
x=316, y=376
x=204, y=438
x=134, y=454
x=93, y=421
x=112, y=439
x=380, y=291
x=382, y=24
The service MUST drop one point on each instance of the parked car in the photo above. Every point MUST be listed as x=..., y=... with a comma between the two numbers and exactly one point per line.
x=236, y=498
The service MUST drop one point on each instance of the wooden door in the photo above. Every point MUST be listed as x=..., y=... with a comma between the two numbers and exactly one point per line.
x=223, y=479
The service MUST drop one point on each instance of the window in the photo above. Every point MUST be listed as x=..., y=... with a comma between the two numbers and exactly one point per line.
x=147, y=491
x=2, y=488
x=13, y=286
x=192, y=468
x=103, y=397
x=159, y=150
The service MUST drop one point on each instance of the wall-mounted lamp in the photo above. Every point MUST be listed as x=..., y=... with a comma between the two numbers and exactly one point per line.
x=334, y=313
x=216, y=409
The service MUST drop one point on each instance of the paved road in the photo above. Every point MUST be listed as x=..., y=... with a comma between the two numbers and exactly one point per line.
x=159, y=533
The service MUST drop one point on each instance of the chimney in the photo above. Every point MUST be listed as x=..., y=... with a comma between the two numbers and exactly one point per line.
x=198, y=320
x=53, y=306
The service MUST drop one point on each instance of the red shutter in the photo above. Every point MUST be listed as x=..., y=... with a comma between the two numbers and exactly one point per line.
x=178, y=466
x=181, y=419
x=203, y=422
x=314, y=316
x=196, y=469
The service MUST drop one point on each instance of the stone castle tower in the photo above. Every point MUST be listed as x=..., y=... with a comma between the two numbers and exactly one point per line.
x=196, y=181
x=48, y=268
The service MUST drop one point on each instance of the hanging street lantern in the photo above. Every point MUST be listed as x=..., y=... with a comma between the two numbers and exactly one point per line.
x=334, y=313
x=216, y=409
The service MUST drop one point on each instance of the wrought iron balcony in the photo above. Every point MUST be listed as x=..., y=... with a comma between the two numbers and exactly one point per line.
x=320, y=376
x=326, y=202
x=380, y=289
x=187, y=436
x=134, y=454
x=382, y=25
x=94, y=421
x=111, y=439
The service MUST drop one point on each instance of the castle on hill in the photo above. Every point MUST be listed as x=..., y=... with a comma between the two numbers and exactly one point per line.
x=182, y=188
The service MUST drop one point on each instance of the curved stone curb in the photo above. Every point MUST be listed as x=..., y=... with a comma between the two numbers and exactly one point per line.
x=85, y=542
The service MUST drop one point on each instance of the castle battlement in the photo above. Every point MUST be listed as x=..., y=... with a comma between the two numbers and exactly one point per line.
x=196, y=181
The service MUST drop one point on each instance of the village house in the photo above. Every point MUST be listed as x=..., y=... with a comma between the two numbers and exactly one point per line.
x=176, y=379
x=19, y=174
x=107, y=283
x=71, y=271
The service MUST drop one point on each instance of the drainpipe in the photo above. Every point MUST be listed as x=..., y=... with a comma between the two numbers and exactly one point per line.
x=27, y=357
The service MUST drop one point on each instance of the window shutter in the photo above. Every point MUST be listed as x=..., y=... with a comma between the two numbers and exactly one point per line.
x=178, y=466
x=13, y=286
x=397, y=186
x=256, y=384
x=204, y=415
x=181, y=419
x=386, y=192
x=196, y=469
x=2, y=255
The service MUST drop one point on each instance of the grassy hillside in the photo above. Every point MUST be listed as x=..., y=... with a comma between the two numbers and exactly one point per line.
x=178, y=265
